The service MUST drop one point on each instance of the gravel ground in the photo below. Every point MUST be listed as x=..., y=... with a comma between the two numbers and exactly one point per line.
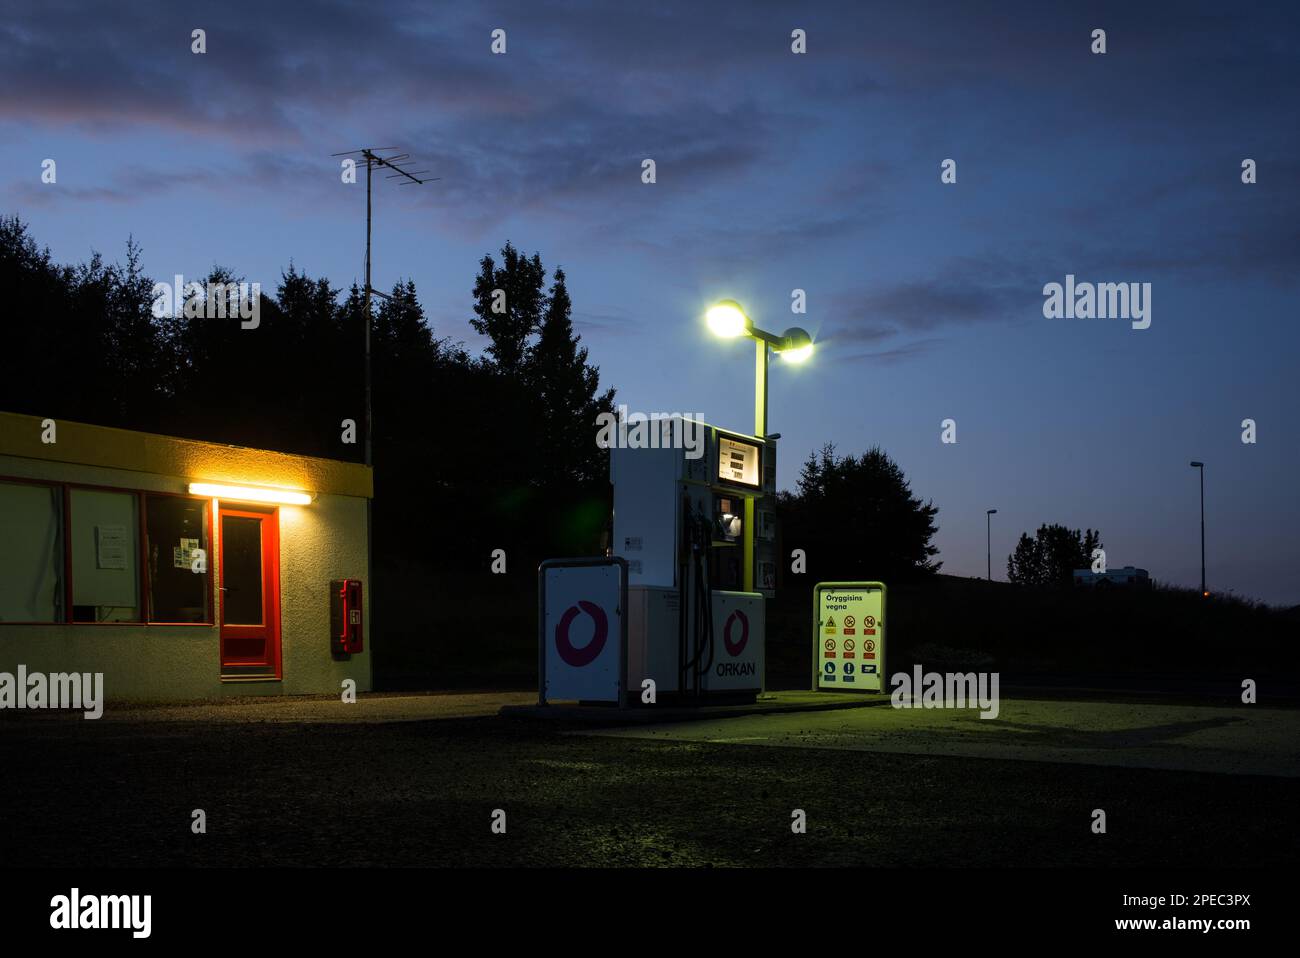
x=421, y=793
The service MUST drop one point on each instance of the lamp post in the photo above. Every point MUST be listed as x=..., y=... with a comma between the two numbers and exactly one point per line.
x=988, y=540
x=727, y=320
x=1201, y=467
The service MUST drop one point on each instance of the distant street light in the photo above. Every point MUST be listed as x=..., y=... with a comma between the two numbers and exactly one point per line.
x=988, y=541
x=727, y=320
x=1201, y=466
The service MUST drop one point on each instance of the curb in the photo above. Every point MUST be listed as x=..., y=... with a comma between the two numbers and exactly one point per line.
x=777, y=702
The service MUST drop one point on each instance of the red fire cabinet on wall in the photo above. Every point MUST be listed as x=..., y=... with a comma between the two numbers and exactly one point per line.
x=346, y=636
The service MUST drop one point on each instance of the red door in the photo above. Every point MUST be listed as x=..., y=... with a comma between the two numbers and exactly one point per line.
x=250, y=592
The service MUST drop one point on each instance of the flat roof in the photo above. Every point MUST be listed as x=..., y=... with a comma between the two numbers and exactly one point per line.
x=83, y=444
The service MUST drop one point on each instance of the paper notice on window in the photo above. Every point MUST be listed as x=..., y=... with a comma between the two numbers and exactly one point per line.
x=183, y=555
x=110, y=547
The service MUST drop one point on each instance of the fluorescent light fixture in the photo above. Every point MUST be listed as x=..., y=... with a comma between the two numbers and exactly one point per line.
x=250, y=494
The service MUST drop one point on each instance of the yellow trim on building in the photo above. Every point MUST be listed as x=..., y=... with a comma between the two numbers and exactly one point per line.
x=111, y=448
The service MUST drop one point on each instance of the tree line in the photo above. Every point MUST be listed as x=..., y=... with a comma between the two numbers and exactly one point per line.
x=472, y=452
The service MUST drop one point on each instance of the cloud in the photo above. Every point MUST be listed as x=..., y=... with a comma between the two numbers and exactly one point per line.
x=965, y=290
x=888, y=357
x=128, y=185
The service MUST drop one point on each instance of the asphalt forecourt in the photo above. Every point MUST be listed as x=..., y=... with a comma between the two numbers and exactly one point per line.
x=424, y=789
x=708, y=793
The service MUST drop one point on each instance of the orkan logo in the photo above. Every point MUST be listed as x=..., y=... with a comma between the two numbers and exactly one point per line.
x=735, y=648
x=564, y=645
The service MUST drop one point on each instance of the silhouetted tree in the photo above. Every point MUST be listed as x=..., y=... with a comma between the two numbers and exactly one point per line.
x=508, y=321
x=499, y=451
x=567, y=388
x=79, y=342
x=1052, y=555
x=856, y=518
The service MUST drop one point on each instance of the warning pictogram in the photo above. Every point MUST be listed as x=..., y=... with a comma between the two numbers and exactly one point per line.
x=830, y=625
x=849, y=623
x=830, y=649
x=869, y=621
x=869, y=645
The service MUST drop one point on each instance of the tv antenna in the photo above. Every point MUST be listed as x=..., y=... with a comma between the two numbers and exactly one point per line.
x=387, y=157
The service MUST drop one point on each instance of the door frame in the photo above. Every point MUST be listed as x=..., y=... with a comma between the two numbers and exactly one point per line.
x=270, y=527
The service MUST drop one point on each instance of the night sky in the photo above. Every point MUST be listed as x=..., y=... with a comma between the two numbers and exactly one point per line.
x=775, y=171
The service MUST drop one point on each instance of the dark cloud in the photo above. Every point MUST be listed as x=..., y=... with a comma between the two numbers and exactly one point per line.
x=128, y=185
x=556, y=129
x=964, y=291
x=896, y=354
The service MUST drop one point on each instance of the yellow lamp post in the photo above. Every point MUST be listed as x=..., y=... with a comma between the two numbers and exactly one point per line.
x=727, y=320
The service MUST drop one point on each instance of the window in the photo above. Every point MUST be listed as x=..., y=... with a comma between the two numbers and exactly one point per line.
x=176, y=529
x=105, y=556
x=31, y=559
x=84, y=554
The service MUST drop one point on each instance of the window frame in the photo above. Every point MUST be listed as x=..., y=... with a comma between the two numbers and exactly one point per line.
x=209, y=517
x=146, y=613
x=63, y=534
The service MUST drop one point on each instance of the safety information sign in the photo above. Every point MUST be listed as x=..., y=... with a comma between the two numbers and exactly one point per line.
x=849, y=636
x=583, y=640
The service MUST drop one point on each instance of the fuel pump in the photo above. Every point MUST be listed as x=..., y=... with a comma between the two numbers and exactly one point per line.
x=696, y=626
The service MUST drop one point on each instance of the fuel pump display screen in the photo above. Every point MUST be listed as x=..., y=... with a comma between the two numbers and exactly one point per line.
x=738, y=462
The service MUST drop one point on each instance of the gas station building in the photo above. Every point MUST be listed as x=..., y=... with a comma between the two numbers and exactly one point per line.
x=180, y=569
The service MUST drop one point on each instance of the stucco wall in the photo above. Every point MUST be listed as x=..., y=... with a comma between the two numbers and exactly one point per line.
x=318, y=542
x=83, y=444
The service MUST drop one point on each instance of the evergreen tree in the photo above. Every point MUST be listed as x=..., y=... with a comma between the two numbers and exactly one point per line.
x=567, y=387
x=1052, y=555
x=856, y=518
x=502, y=447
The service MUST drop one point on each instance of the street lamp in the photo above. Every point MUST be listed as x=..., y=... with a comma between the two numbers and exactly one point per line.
x=727, y=320
x=988, y=541
x=1201, y=466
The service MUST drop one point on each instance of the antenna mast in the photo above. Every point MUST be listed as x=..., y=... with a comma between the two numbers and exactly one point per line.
x=374, y=157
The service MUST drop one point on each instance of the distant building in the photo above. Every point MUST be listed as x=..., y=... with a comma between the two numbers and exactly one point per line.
x=1128, y=576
